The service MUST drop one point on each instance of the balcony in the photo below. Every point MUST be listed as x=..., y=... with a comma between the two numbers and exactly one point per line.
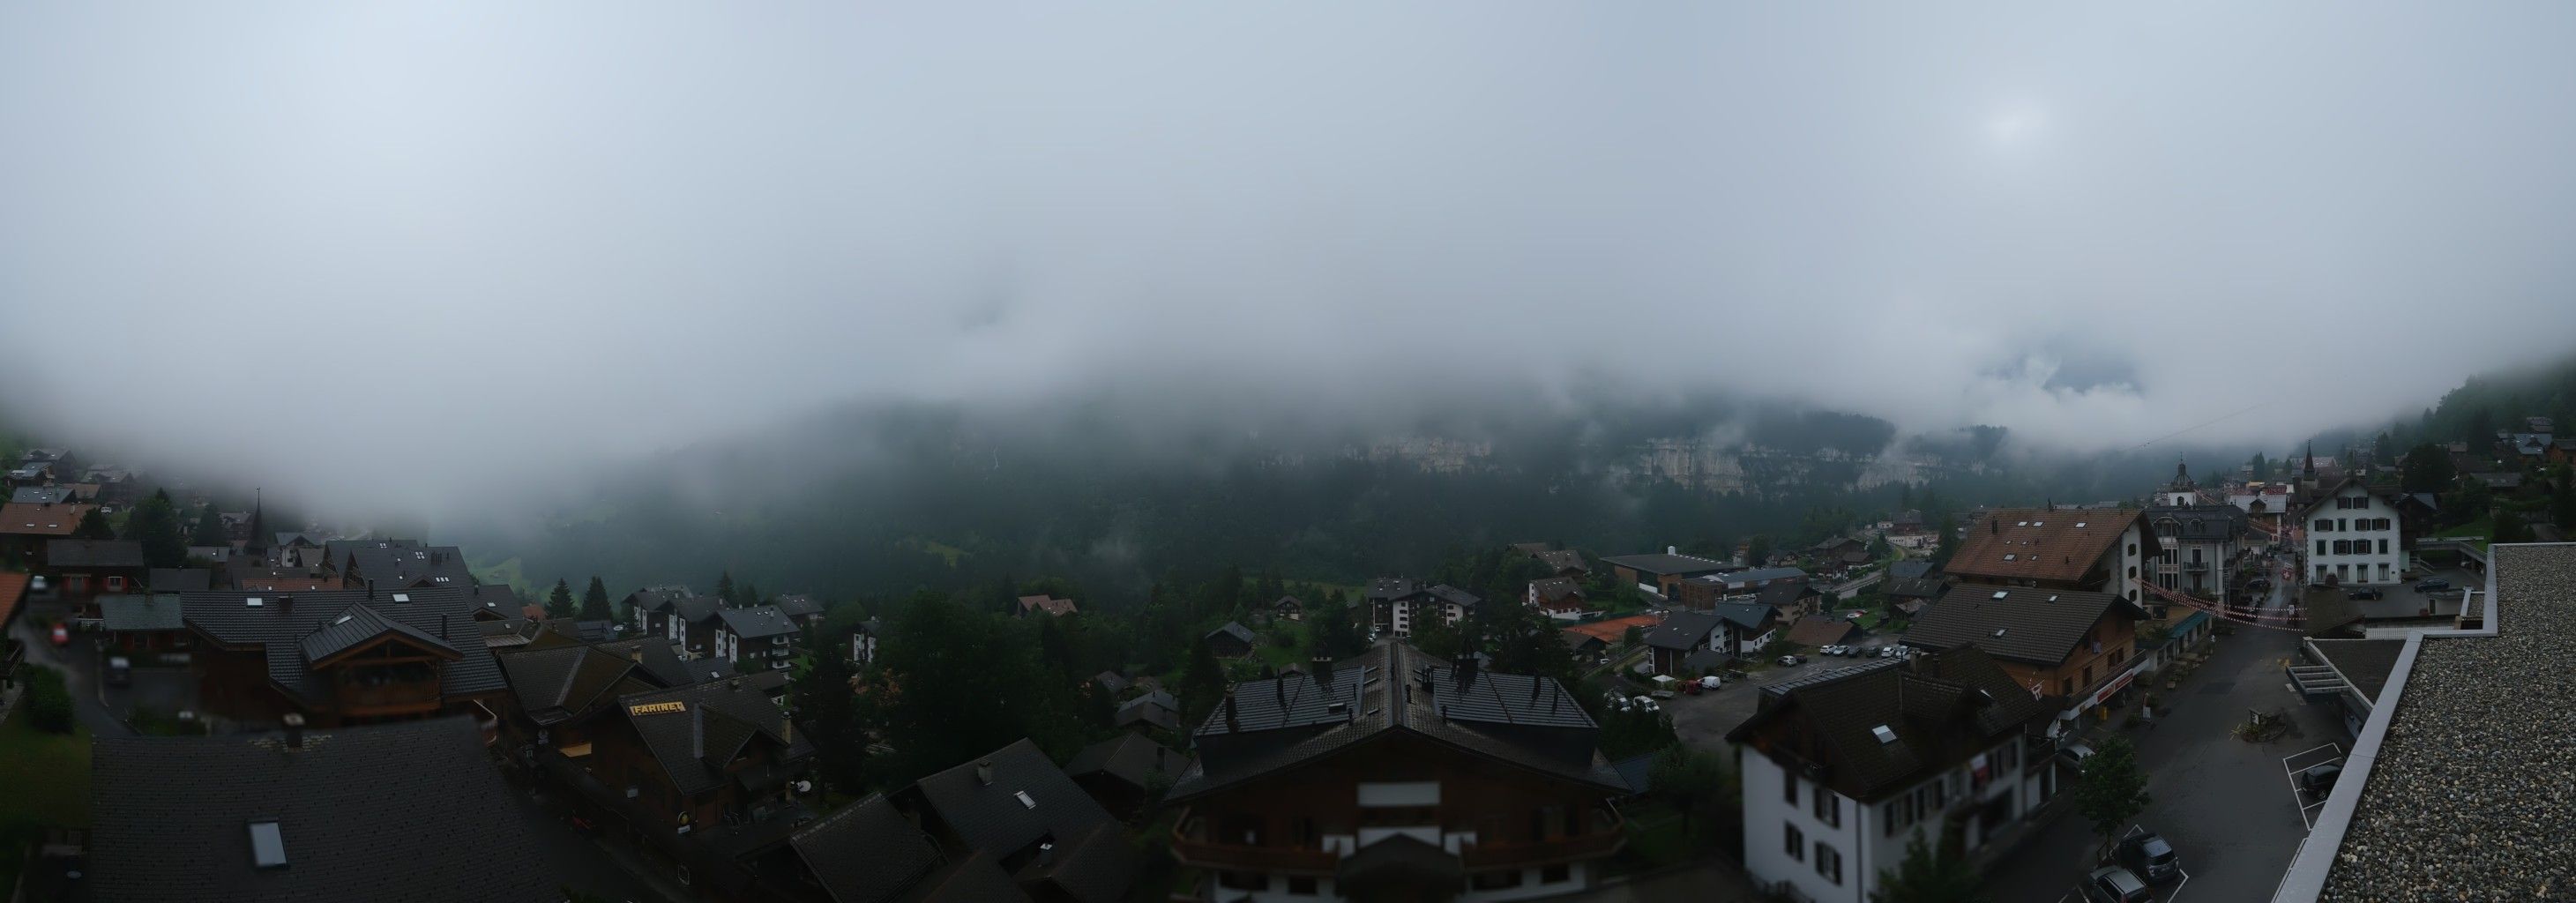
x=1192, y=846
x=1608, y=832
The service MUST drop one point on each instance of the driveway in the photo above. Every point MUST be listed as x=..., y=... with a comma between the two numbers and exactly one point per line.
x=2220, y=801
x=79, y=665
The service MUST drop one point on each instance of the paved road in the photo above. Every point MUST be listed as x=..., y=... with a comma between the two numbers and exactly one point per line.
x=2226, y=805
x=80, y=676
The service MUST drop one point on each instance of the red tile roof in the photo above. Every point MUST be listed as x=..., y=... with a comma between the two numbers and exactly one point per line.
x=13, y=587
x=1614, y=629
x=42, y=520
x=2039, y=544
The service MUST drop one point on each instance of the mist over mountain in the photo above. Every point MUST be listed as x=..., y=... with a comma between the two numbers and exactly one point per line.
x=878, y=499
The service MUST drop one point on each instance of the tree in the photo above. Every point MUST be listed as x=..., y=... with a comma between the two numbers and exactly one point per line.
x=2112, y=789
x=2427, y=469
x=559, y=602
x=2562, y=498
x=828, y=712
x=1929, y=874
x=210, y=529
x=1337, y=636
x=154, y=525
x=49, y=704
x=94, y=525
x=2509, y=528
x=1203, y=681
x=724, y=588
x=1687, y=777
x=953, y=683
x=1757, y=550
x=594, y=602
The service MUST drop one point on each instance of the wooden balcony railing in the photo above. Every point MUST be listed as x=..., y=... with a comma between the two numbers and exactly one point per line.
x=1192, y=847
x=1607, y=833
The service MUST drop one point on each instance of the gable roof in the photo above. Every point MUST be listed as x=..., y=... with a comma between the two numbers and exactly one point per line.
x=396, y=563
x=658, y=598
x=1786, y=593
x=1564, y=560
x=798, y=605
x=1815, y=631
x=1047, y=603
x=1129, y=757
x=1683, y=630
x=556, y=684
x=282, y=621
x=713, y=723
x=2039, y=626
x=119, y=614
x=2197, y=523
x=1553, y=589
x=1910, y=569
x=397, y=812
x=991, y=817
x=865, y=853
x=1749, y=616
x=1393, y=690
x=759, y=623
x=1940, y=710
x=2041, y=544
x=93, y=553
x=42, y=495
x=358, y=625
x=1233, y=629
x=1916, y=588
x=1666, y=564
x=42, y=520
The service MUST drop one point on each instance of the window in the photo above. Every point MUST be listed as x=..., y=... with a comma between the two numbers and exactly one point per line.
x=1539, y=820
x=1495, y=880
x=2066, y=686
x=1302, y=884
x=2325, y=525
x=1829, y=863
x=2383, y=549
x=1887, y=819
x=2343, y=547
x=2321, y=549
x=1795, y=840
x=1556, y=874
x=1789, y=788
x=1829, y=808
x=2088, y=675
x=1243, y=881
x=2341, y=525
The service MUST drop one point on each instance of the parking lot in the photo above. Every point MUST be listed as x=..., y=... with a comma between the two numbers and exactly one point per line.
x=1702, y=721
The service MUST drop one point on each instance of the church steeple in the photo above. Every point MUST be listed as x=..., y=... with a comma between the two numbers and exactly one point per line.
x=2309, y=469
x=257, y=545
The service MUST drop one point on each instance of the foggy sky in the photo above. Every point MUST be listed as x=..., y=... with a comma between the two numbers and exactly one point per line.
x=387, y=250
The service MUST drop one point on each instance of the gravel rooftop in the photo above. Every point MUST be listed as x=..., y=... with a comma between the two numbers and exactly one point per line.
x=2473, y=797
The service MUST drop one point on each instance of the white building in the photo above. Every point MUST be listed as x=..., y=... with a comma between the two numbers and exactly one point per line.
x=2200, y=543
x=2354, y=535
x=1890, y=769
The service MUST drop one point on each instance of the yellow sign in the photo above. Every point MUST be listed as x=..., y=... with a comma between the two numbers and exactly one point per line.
x=651, y=708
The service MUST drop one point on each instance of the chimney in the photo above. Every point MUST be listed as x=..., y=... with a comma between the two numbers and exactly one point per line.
x=371, y=589
x=984, y=773
x=1534, y=688
x=294, y=730
x=1672, y=550
x=1465, y=670
x=286, y=603
x=1046, y=853
x=1282, y=686
x=1230, y=723
x=1324, y=672
x=1993, y=526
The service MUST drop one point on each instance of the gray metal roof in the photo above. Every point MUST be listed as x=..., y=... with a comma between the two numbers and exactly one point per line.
x=865, y=853
x=140, y=613
x=358, y=624
x=2038, y=626
x=991, y=817
x=407, y=813
x=282, y=621
x=759, y=623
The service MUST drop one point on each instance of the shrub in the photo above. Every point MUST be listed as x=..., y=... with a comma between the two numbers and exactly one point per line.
x=48, y=702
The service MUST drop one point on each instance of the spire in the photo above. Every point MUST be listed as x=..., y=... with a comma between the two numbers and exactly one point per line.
x=258, y=541
x=2310, y=468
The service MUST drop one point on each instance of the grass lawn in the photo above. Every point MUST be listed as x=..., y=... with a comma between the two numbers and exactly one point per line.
x=1656, y=838
x=47, y=776
x=506, y=573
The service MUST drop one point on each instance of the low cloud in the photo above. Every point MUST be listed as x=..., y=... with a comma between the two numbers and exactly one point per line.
x=396, y=252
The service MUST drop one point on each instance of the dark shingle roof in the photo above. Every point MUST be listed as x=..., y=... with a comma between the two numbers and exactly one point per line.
x=1745, y=615
x=974, y=879
x=1667, y=565
x=1564, y=559
x=757, y=623
x=93, y=553
x=1094, y=866
x=282, y=621
x=1821, y=631
x=1785, y=594
x=1942, y=709
x=41, y=495
x=1683, y=630
x=1130, y=758
x=399, y=812
x=2197, y=523
x=658, y=598
x=865, y=853
x=1916, y=588
x=1528, y=722
x=1552, y=589
x=2041, y=544
x=179, y=580
x=694, y=743
x=798, y=605
x=1236, y=630
x=564, y=683
x=358, y=624
x=399, y=562
x=1156, y=708
x=1453, y=595
x=991, y=816
x=1909, y=570
x=2039, y=626
x=139, y=613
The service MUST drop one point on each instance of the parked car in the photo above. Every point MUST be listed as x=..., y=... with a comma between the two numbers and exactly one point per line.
x=1888, y=651
x=2074, y=755
x=2362, y=593
x=2434, y=585
x=2148, y=855
x=1792, y=661
x=1710, y=682
x=62, y=635
x=1644, y=704
x=36, y=585
x=2319, y=780
x=120, y=671
x=2113, y=884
